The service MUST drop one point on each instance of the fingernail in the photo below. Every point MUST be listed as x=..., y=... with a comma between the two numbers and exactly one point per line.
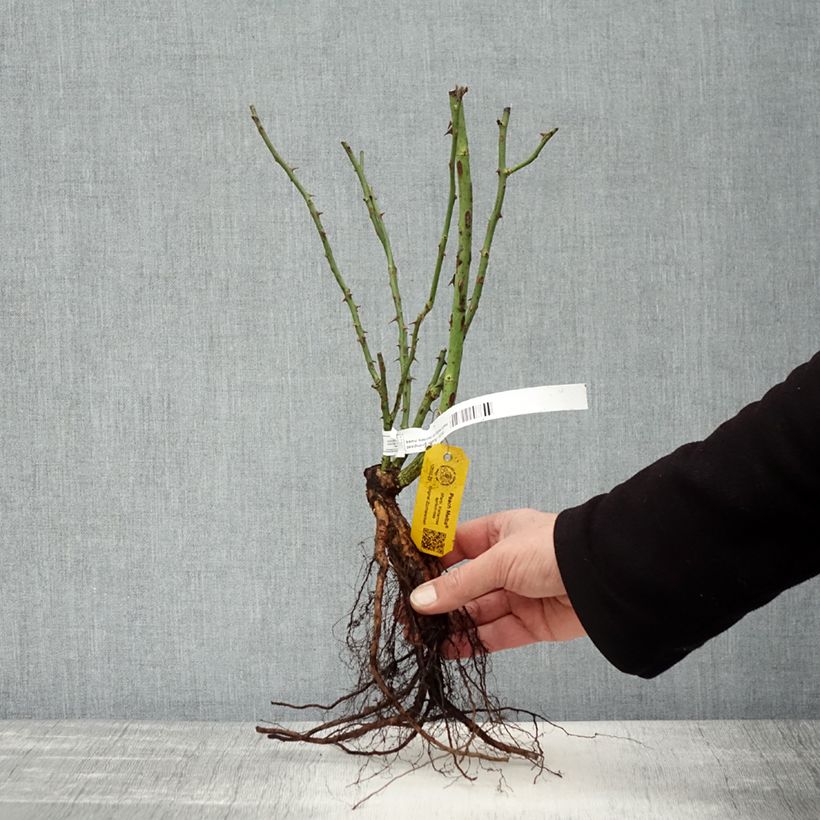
x=423, y=595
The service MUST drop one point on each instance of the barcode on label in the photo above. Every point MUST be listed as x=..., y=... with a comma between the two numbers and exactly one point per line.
x=526, y=400
x=467, y=414
x=432, y=541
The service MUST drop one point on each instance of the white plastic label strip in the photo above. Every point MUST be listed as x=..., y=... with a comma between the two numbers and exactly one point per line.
x=484, y=408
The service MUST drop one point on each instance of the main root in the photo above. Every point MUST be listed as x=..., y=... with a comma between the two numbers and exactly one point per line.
x=406, y=689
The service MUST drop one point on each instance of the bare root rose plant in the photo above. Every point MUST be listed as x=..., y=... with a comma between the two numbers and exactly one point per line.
x=406, y=689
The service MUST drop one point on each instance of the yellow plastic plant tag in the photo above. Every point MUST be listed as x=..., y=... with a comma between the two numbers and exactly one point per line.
x=438, y=498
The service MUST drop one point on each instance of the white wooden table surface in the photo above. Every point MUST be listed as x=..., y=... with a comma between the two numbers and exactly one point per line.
x=669, y=769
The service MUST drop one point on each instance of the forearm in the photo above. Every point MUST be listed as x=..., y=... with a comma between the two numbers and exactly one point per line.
x=687, y=546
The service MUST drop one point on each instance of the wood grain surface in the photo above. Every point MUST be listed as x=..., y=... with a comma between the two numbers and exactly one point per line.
x=652, y=769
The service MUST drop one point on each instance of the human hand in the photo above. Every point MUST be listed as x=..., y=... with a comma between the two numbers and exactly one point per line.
x=511, y=586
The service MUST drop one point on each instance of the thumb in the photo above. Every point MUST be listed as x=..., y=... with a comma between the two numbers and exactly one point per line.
x=462, y=584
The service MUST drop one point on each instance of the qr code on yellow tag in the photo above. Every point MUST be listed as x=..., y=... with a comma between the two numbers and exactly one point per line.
x=433, y=541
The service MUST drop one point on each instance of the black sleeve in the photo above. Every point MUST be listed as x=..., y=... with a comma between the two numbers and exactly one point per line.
x=689, y=545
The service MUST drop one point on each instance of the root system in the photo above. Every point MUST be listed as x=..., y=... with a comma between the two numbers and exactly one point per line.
x=406, y=689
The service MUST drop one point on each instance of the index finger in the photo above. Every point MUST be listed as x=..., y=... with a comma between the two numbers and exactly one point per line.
x=474, y=537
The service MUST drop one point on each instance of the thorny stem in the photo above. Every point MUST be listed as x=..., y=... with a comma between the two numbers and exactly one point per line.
x=465, y=236
x=442, y=245
x=456, y=344
x=444, y=382
x=392, y=269
x=405, y=401
x=411, y=472
x=383, y=398
x=378, y=384
x=457, y=318
x=433, y=389
x=545, y=138
x=503, y=173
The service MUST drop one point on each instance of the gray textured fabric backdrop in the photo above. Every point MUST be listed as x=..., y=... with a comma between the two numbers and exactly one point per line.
x=184, y=413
